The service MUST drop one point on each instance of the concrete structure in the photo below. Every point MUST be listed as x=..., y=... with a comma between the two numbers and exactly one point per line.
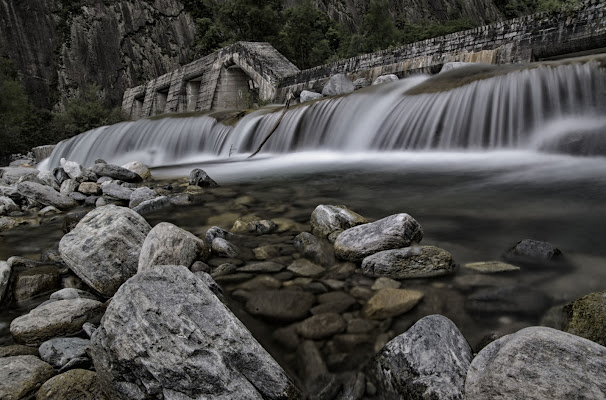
x=233, y=77
x=221, y=76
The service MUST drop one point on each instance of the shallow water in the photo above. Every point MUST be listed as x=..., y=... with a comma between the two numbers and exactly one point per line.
x=475, y=205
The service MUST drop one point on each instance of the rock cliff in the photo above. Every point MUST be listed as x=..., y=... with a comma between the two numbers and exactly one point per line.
x=61, y=45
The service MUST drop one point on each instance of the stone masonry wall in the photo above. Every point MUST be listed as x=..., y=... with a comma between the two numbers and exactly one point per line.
x=520, y=40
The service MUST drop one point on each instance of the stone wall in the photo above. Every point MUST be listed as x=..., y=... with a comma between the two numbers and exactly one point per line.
x=179, y=90
x=272, y=76
x=519, y=40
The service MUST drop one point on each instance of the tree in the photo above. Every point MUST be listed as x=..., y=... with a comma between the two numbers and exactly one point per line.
x=308, y=37
x=378, y=28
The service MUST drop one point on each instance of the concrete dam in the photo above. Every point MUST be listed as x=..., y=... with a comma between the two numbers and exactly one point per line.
x=236, y=76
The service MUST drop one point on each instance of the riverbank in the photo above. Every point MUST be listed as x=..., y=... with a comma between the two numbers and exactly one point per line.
x=325, y=338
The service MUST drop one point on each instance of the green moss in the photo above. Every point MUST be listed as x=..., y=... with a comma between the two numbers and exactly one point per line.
x=586, y=317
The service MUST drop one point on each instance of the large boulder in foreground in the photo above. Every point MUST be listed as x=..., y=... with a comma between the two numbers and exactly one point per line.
x=409, y=263
x=393, y=232
x=45, y=195
x=21, y=376
x=166, y=335
x=58, y=318
x=538, y=363
x=167, y=244
x=429, y=361
x=103, y=249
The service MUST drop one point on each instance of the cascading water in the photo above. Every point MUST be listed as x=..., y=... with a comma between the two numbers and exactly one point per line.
x=514, y=110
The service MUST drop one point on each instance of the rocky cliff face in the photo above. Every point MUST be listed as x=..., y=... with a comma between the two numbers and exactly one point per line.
x=62, y=45
x=351, y=12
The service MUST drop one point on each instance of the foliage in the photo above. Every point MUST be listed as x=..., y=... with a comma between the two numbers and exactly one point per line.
x=86, y=111
x=23, y=126
x=308, y=37
x=516, y=8
x=410, y=33
x=378, y=29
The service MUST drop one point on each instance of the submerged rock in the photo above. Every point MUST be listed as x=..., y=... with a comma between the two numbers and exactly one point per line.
x=321, y=326
x=491, y=267
x=393, y=232
x=35, y=281
x=315, y=249
x=538, y=363
x=198, y=177
x=511, y=299
x=21, y=376
x=58, y=318
x=387, y=303
x=167, y=244
x=586, y=317
x=337, y=85
x=534, y=253
x=409, y=263
x=103, y=249
x=280, y=305
x=165, y=334
x=429, y=361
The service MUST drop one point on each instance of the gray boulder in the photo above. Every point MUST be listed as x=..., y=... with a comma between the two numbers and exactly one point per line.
x=429, y=361
x=151, y=205
x=361, y=83
x=385, y=79
x=90, y=188
x=72, y=293
x=315, y=249
x=58, y=318
x=7, y=205
x=58, y=352
x=12, y=175
x=166, y=335
x=72, y=168
x=116, y=191
x=138, y=168
x=326, y=219
x=5, y=276
x=21, y=376
x=116, y=172
x=45, y=195
x=167, y=244
x=198, y=177
x=49, y=179
x=103, y=249
x=538, y=363
x=337, y=85
x=393, y=232
x=68, y=186
x=409, y=263
x=140, y=195
x=306, y=95
x=76, y=384
x=222, y=247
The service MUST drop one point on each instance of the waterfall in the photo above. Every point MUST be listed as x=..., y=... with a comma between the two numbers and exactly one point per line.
x=515, y=110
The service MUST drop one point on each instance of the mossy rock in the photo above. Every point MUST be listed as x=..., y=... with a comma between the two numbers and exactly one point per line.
x=586, y=317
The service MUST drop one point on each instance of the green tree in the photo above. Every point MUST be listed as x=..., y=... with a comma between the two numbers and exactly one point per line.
x=86, y=111
x=378, y=28
x=308, y=37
